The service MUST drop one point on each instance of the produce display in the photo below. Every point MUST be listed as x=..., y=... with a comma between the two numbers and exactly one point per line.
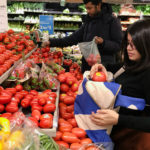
x=13, y=46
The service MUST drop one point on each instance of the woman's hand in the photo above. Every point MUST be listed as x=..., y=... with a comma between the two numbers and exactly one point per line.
x=105, y=117
x=96, y=68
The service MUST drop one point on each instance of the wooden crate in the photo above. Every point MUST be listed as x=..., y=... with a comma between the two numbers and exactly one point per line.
x=9, y=71
x=52, y=131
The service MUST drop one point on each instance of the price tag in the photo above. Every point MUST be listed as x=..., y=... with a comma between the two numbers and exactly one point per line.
x=47, y=24
x=3, y=16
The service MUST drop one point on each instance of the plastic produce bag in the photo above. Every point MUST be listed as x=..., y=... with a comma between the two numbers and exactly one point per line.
x=22, y=134
x=90, y=52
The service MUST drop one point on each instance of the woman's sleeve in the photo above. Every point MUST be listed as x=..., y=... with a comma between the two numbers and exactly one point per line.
x=139, y=122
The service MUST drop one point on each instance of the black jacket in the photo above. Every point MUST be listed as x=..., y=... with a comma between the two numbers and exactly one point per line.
x=103, y=25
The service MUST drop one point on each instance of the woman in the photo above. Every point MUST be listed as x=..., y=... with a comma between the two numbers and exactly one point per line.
x=132, y=127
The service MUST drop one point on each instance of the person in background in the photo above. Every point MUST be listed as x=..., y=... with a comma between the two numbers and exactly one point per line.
x=131, y=129
x=99, y=23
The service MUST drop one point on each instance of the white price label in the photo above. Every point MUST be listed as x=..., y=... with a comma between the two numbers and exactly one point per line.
x=3, y=16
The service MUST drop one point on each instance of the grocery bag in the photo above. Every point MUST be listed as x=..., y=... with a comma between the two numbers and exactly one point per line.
x=90, y=52
x=93, y=96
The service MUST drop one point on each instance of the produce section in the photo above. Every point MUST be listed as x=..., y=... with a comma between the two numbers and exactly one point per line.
x=39, y=85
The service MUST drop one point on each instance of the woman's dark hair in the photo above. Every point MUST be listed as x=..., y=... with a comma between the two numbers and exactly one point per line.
x=140, y=33
x=94, y=2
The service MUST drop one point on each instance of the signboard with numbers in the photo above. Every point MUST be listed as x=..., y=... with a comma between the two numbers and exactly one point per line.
x=47, y=24
x=3, y=16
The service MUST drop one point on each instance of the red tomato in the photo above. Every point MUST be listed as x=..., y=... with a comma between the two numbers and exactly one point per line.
x=70, y=80
x=69, y=100
x=6, y=115
x=80, y=133
x=66, y=115
x=12, y=90
x=70, y=108
x=34, y=102
x=6, y=93
x=29, y=96
x=24, y=93
x=42, y=101
x=62, y=143
x=46, y=123
x=19, y=88
x=48, y=108
x=52, y=94
x=92, y=147
x=99, y=76
x=62, y=97
x=47, y=91
x=74, y=87
x=5, y=99
x=34, y=121
x=73, y=122
x=11, y=108
x=64, y=88
x=46, y=116
x=36, y=114
x=52, y=100
x=19, y=95
x=15, y=99
x=86, y=141
x=62, y=78
x=70, y=137
x=25, y=103
x=37, y=107
x=70, y=93
x=33, y=92
x=2, y=107
x=75, y=146
x=58, y=136
x=65, y=128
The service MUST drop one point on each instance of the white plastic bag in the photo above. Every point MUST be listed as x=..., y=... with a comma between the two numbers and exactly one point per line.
x=90, y=52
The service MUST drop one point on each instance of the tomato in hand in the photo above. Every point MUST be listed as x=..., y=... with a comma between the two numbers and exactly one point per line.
x=99, y=76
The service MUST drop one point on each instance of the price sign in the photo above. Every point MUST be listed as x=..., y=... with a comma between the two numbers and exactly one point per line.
x=47, y=24
x=3, y=16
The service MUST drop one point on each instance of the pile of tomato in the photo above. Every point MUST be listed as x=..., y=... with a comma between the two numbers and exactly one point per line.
x=12, y=47
x=41, y=105
x=44, y=55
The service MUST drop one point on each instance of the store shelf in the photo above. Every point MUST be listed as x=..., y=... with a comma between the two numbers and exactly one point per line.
x=59, y=29
x=15, y=13
x=128, y=15
x=11, y=19
x=48, y=1
x=67, y=21
x=8, y=72
x=31, y=22
x=55, y=12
